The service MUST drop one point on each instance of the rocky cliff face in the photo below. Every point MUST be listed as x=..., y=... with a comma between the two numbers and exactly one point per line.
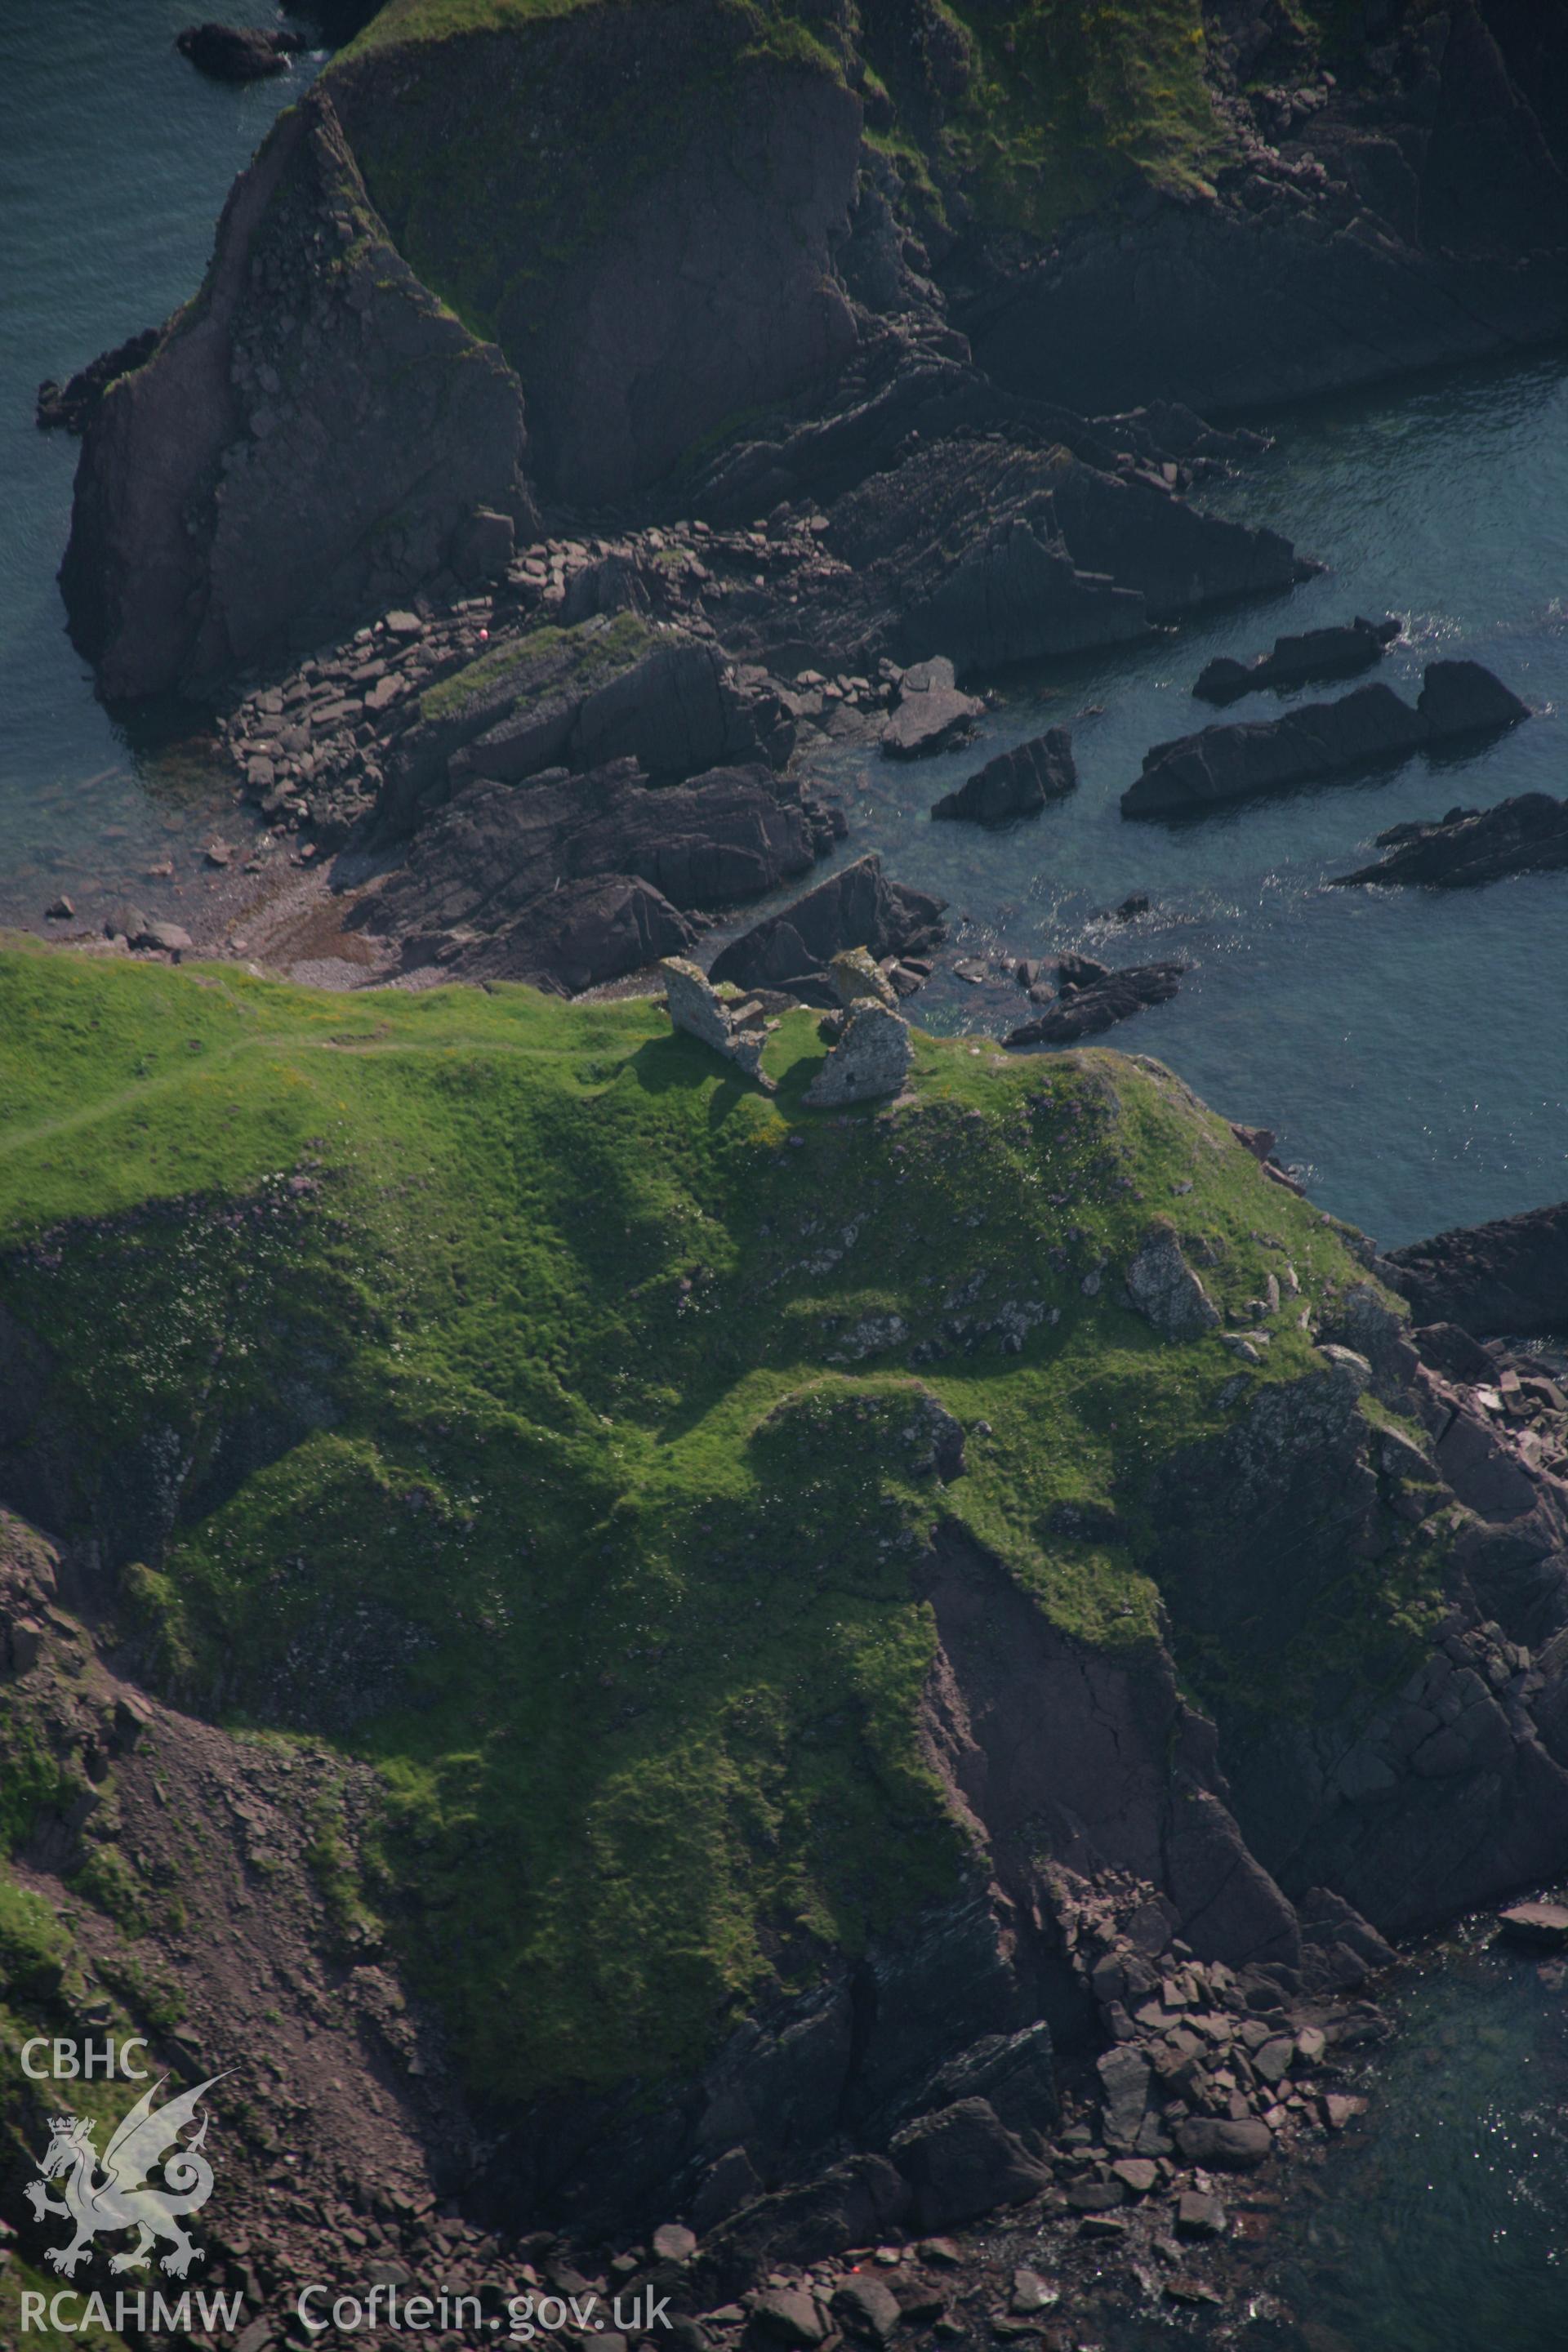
x=641, y=204
x=1405, y=212
x=513, y=1385
x=732, y=260
x=309, y=439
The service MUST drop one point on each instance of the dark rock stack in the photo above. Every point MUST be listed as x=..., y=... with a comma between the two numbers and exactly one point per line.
x=1338, y=652
x=237, y=52
x=266, y=474
x=1369, y=729
x=994, y=551
x=1527, y=835
x=1016, y=784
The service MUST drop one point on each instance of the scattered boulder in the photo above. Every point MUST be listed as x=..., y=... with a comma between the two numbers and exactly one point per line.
x=1526, y=835
x=857, y=906
x=865, y=2307
x=165, y=938
x=1371, y=728
x=1542, y=1926
x=1199, y=2215
x=59, y=911
x=857, y=979
x=673, y=2241
x=871, y=1059
x=1164, y=1289
x=1031, y=2294
x=1016, y=784
x=1222, y=2146
x=1125, y=2076
x=787, y=2315
x=696, y=1007
x=1338, y=652
x=1085, y=1012
x=930, y=711
x=1451, y=1352
x=237, y=52
x=963, y=2161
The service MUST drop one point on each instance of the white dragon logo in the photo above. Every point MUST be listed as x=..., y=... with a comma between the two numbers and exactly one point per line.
x=120, y=2197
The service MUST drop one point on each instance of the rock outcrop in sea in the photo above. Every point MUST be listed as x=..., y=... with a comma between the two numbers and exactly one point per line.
x=1337, y=652
x=1526, y=835
x=1372, y=727
x=1015, y=783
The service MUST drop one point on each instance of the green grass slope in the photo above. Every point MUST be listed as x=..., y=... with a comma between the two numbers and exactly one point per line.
x=539, y=1409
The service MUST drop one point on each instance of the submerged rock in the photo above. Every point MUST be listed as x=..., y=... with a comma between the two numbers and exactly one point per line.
x=1338, y=652
x=1526, y=835
x=1016, y=784
x=1369, y=729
